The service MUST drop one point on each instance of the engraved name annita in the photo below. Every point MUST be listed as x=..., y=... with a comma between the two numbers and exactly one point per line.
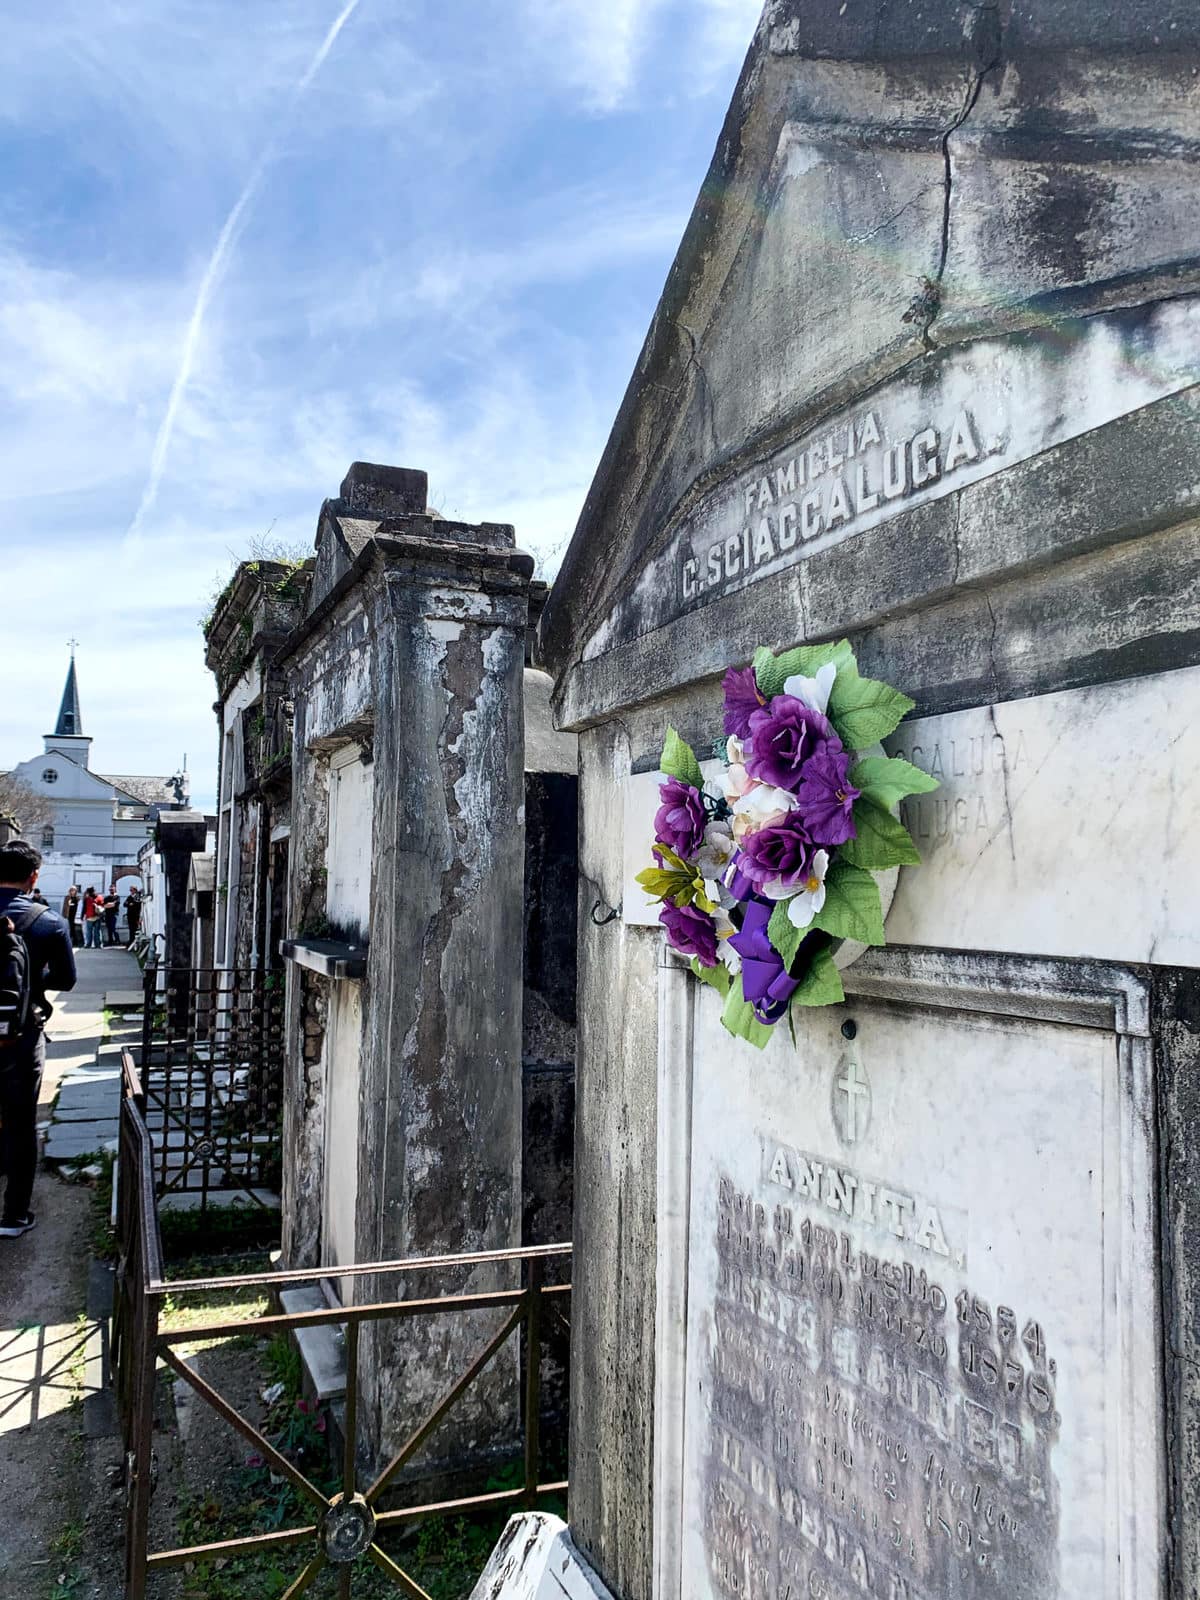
x=879, y=1206
x=836, y=482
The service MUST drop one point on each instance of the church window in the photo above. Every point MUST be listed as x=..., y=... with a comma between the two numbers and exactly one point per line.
x=47, y=837
x=49, y=775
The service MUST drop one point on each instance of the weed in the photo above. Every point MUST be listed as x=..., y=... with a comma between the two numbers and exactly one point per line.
x=101, y=1239
x=283, y=1363
x=64, y=1552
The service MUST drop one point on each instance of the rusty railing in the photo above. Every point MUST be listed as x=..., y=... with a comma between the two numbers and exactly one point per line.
x=342, y=1525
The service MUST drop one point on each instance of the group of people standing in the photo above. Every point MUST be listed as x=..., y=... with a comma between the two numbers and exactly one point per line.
x=92, y=916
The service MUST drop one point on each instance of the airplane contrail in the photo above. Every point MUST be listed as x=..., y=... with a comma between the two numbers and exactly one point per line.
x=216, y=266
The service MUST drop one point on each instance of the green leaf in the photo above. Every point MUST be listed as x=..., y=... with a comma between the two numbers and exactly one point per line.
x=783, y=934
x=739, y=1019
x=679, y=761
x=887, y=782
x=852, y=908
x=661, y=884
x=821, y=984
x=715, y=977
x=771, y=672
x=882, y=841
x=863, y=710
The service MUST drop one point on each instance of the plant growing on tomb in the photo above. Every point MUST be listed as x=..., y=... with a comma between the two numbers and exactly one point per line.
x=763, y=871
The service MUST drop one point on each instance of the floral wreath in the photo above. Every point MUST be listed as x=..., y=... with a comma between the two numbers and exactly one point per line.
x=764, y=872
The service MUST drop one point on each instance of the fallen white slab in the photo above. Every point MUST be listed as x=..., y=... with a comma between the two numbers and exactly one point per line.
x=536, y=1559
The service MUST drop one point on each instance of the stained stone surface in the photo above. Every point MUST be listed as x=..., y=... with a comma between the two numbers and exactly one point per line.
x=916, y=1363
x=924, y=373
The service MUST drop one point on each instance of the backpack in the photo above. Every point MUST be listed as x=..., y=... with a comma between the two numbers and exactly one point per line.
x=16, y=982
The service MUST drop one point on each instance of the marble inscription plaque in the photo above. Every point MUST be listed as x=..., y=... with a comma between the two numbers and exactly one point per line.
x=980, y=409
x=904, y=1350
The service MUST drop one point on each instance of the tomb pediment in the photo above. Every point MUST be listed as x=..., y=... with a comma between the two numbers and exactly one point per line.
x=921, y=262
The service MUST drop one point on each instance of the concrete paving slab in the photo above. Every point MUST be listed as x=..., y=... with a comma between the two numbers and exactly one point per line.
x=44, y=1370
x=67, y=1141
x=124, y=999
x=89, y=1108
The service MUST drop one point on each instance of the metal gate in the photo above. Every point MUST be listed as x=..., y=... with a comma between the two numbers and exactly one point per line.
x=342, y=1527
x=212, y=1069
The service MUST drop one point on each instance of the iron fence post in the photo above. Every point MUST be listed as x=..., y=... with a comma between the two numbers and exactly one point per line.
x=533, y=1378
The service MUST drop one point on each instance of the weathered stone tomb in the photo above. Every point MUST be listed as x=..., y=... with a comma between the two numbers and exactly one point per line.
x=909, y=1308
x=406, y=1105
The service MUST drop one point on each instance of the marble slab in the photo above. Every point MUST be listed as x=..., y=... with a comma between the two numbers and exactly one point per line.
x=1065, y=825
x=920, y=1354
x=536, y=1559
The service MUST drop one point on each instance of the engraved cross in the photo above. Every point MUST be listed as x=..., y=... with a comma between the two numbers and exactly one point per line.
x=855, y=1088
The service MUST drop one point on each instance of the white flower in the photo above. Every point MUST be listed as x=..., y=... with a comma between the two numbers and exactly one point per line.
x=803, y=907
x=715, y=854
x=814, y=692
x=736, y=750
x=776, y=889
x=725, y=928
x=735, y=781
x=759, y=808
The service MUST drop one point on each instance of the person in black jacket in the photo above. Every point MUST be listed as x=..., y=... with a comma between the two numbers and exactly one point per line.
x=52, y=967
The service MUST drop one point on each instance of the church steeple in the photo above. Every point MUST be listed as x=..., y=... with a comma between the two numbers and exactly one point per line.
x=68, y=738
x=70, y=718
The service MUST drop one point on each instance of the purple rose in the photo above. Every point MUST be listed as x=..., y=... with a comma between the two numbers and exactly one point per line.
x=679, y=821
x=741, y=699
x=827, y=797
x=779, y=852
x=765, y=982
x=786, y=733
x=691, y=932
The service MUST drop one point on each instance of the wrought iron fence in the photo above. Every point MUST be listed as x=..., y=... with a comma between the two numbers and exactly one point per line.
x=343, y=1524
x=212, y=1072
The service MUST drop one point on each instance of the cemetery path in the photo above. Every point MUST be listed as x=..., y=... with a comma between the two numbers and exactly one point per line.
x=60, y=1528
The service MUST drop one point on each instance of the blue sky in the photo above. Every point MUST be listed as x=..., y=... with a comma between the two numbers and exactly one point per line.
x=445, y=227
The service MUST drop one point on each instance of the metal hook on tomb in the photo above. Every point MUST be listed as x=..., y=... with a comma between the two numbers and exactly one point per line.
x=601, y=922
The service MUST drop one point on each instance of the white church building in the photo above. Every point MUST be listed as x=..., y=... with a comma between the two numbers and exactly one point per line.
x=101, y=820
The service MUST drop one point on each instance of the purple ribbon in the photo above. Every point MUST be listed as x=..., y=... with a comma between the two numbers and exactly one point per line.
x=738, y=884
x=765, y=981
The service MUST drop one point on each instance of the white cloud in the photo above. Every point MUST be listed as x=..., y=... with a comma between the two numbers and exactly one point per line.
x=592, y=50
x=600, y=52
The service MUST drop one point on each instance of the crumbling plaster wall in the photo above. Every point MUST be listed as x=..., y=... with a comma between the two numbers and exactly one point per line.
x=332, y=693
x=417, y=659
x=442, y=1064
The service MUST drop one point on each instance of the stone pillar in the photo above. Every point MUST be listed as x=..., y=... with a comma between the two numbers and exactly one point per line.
x=180, y=834
x=441, y=1071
